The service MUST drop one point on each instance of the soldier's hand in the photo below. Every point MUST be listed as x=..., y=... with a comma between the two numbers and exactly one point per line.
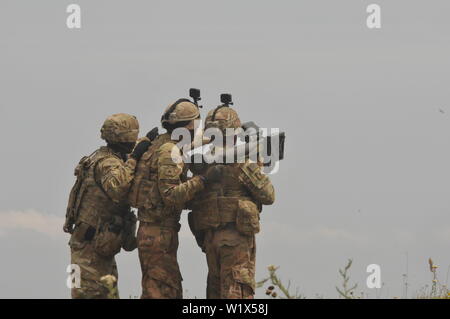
x=68, y=227
x=152, y=134
x=214, y=174
x=140, y=149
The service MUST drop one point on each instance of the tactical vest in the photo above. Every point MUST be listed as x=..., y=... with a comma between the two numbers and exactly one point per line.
x=226, y=202
x=88, y=202
x=144, y=193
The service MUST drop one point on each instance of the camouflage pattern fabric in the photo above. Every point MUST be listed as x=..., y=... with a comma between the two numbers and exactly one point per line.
x=92, y=266
x=161, y=277
x=231, y=264
x=116, y=176
x=224, y=220
x=120, y=128
x=105, y=182
x=160, y=192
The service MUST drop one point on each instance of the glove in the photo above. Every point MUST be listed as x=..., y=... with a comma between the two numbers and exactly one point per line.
x=140, y=149
x=129, y=241
x=68, y=227
x=143, y=145
x=214, y=174
x=152, y=134
x=197, y=164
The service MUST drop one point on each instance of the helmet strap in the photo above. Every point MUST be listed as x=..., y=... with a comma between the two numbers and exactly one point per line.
x=213, y=118
x=172, y=108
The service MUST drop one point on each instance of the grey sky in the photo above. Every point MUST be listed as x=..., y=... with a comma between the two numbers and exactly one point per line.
x=366, y=174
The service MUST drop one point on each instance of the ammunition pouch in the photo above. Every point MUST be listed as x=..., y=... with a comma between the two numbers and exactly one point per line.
x=247, y=219
x=81, y=235
x=109, y=236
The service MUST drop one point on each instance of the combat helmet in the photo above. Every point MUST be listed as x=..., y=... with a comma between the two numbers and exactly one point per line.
x=223, y=116
x=120, y=128
x=182, y=111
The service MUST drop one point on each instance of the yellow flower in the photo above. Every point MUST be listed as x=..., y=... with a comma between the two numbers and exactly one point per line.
x=108, y=280
x=272, y=268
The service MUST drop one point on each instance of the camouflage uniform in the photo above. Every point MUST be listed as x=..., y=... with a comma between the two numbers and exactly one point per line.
x=160, y=191
x=98, y=209
x=225, y=219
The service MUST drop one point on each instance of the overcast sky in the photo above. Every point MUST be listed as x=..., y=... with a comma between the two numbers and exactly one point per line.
x=366, y=114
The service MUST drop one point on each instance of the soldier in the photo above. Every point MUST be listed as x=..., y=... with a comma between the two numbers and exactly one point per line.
x=98, y=217
x=225, y=217
x=160, y=191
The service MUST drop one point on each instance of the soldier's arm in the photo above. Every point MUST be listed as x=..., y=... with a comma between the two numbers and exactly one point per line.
x=257, y=183
x=173, y=191
x=115, y=177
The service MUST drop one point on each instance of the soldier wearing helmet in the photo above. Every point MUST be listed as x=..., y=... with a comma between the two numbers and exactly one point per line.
x=160, y=191
x=225, y=216
x=98, y=217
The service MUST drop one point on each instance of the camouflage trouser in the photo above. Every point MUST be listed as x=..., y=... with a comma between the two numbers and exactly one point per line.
x=92, y=266
x=231, y=264
x=161, y=277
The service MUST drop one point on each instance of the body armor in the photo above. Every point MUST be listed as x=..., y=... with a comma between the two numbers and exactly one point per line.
x=160, y=192
x=225, y=218
x=94, y=213
x=88, y=202
x=145, y=194
x=227, y=202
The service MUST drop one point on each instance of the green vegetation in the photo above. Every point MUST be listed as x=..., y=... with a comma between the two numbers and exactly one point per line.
x=276, y=289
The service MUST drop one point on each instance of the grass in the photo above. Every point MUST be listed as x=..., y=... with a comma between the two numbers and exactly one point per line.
x=276, y=289
x=346, y=291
